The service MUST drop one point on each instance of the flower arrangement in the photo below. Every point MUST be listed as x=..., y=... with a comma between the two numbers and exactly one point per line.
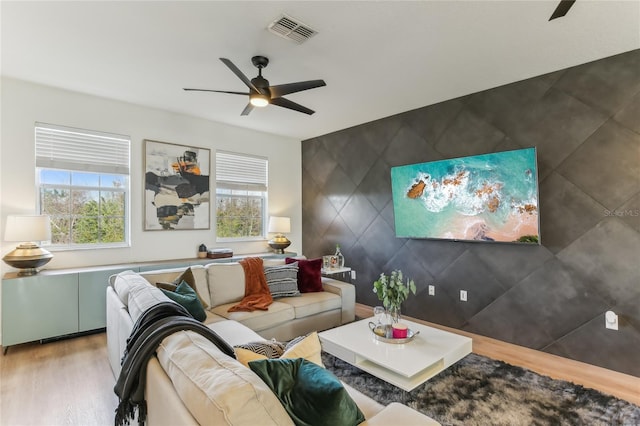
x=392, y=291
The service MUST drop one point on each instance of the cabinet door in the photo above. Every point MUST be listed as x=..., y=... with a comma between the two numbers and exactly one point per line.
x=39, y=307
x=92, y=294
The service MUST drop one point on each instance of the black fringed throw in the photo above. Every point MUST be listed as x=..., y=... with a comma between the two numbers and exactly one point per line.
x=149, y=317
x=130, y=385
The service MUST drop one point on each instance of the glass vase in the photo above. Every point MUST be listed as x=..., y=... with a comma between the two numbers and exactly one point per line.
x=340, y=257
x=394, y=314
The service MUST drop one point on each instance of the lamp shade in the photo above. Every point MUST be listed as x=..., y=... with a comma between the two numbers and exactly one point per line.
x=28, y=256
x=27, y=228
x=279, y=224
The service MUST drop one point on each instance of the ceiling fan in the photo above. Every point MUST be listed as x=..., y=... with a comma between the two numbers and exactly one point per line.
x=261, y=94
x=562, y=9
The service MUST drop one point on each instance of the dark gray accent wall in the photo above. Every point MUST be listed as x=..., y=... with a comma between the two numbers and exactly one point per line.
x=585, y=124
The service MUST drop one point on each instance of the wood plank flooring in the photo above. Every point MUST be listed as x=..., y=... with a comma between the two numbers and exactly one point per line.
x=69, y=382
x=66, y=382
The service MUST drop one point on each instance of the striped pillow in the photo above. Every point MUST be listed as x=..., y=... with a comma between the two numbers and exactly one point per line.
x=266, y=348
x=282, y=280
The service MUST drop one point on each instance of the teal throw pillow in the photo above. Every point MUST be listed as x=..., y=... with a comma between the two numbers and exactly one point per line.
x=310, y=394
x=188, y=298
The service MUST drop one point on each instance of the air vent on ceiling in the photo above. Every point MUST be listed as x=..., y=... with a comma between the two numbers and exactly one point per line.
x=291, y=29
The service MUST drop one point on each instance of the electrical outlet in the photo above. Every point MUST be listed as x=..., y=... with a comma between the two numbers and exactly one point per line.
x=432, y=290
x=611, y=320
x=463, y=295
x=353, y=274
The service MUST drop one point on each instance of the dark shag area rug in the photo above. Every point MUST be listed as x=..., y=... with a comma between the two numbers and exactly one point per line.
x=482, y=391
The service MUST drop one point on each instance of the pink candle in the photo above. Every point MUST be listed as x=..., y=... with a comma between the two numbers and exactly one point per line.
x=399, y=331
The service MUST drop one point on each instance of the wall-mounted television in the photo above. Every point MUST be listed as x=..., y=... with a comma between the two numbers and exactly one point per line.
x=489, y=197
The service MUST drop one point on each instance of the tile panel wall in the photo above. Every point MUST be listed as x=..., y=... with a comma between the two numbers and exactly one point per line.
x=585, y=124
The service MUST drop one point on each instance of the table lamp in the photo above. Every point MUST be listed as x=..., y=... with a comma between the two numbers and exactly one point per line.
x=28, y=255
x=279, y=225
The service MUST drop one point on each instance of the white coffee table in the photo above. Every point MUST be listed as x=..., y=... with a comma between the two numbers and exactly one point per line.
x=404, y=365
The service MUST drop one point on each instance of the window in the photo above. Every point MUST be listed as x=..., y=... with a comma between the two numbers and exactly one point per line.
x=241, y=196
x=83, y=185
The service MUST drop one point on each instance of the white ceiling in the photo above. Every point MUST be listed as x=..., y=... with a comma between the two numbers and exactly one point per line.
x=378, y=58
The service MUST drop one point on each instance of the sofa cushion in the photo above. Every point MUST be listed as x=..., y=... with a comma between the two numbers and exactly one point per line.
x=124, y=282
x=282, y=280
x=213, y=318
x=186, y=296
x=309, y=276
x=369, y=406
x=142, y=298
x=273, y=262
x=234, y=333
x=137, y=293
x=309, y=393
x=171, y=275
x=167, y=286
x=313, y=303
x=226, y=283
x=277, y=314
x=215, y=388
x=188, y=277
x=307, y=347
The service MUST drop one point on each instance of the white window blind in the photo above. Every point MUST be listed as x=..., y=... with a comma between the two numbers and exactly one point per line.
x=59, y=147
x=241, y=171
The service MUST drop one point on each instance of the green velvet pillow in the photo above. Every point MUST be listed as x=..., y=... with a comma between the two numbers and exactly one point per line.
x=188, y=277
x=187, y=297
x=310, y=394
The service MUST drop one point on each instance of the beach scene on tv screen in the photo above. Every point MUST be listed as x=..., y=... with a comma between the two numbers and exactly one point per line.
x=488, y=197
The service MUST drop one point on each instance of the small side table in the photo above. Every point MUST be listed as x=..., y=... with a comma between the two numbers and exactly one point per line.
x=342, y=274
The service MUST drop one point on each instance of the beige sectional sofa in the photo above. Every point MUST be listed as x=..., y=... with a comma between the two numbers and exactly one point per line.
x=192, y=382
x=221, y=285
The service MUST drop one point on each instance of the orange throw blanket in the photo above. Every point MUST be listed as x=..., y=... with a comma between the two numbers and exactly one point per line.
x=256, y=290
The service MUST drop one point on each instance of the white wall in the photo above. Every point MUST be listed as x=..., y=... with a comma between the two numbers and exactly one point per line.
x=24, y=103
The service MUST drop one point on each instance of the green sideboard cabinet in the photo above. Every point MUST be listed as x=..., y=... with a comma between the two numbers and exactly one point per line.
x=62, y=302
x=38, y=307
x=54, y=303
x=92, y=298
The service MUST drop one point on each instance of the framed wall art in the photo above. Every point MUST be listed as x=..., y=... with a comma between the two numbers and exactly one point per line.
x=176, y=187
x=490, y=197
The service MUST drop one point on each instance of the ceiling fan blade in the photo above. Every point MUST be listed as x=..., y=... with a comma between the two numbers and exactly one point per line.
x=247, y=109
x=218, y=91
x=285, y=89
x=286, y=103
x=562, y=9
x=239, y=73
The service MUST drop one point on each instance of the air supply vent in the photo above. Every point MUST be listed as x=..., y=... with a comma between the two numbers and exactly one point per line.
x=291, y=29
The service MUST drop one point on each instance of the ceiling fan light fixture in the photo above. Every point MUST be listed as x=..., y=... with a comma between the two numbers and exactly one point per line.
x=262, y=94
x=259, y=100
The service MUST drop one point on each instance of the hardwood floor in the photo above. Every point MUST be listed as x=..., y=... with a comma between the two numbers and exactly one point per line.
x=69, y=382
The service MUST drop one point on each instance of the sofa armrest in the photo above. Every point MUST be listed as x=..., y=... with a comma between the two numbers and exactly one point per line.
x=347, y=293
x=119, y=326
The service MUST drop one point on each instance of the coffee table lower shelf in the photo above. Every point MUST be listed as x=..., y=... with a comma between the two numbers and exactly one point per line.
x=406, y=365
